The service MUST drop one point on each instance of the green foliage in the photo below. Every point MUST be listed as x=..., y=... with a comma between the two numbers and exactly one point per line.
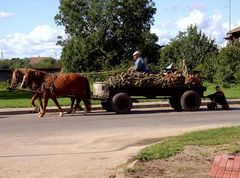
x=175, y=145
x=103, y=34
x=237, y=76
x=14, y=63
x=228, y=65
x=193, y=46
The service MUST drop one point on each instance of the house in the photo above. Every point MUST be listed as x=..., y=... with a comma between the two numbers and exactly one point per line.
x=233, y=36
x=37, y=60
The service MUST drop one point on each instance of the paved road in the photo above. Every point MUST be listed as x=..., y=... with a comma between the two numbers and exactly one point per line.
x=94, y=145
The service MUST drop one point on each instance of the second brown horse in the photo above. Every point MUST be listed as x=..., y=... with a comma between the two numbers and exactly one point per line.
x=71, y=85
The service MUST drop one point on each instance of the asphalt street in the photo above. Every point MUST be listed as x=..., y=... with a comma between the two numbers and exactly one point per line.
x=94, y=145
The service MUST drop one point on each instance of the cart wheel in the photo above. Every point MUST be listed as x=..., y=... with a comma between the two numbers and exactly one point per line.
x=211, y=106
x=106, y=105
x=121, y=103
x=225, y=106
x=175, y=103
x=190, y=100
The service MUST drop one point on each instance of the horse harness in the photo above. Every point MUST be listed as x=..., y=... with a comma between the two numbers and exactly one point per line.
x=52, y=87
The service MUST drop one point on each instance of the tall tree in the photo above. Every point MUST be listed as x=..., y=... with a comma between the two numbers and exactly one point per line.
x=192, y=45
x=104, y=33
x=228, y=65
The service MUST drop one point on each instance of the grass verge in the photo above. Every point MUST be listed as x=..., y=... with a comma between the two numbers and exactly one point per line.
x=231, y=92
x=211, y=137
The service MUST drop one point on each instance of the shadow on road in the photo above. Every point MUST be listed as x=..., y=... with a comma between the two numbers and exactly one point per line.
x=152, y=111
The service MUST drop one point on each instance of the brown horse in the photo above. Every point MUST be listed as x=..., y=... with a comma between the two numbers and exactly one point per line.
x=17, y=77
x=52, y=86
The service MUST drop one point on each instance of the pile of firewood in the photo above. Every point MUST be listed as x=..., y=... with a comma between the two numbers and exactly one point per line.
x=173, y=79
x=193, y=80
x=162, y=79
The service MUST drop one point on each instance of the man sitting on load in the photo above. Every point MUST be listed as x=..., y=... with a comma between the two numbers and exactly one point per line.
x=140, y=64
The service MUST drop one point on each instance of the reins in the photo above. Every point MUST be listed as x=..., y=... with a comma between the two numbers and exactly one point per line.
x=19, y=89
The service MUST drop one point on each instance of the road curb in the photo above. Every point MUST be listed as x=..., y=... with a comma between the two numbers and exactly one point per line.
x=16, y=111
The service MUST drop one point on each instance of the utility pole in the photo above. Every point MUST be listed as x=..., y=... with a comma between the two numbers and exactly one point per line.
x=2, y=55
x=55, y=55
x=230, y=17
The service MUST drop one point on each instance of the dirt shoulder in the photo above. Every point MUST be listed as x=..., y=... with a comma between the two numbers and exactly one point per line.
x=193, y=161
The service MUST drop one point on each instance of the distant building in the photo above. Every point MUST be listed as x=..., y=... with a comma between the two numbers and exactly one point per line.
x=233, y=36
x=36, y=60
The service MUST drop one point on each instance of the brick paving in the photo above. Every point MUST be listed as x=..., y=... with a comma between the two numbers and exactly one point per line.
x=225, y=166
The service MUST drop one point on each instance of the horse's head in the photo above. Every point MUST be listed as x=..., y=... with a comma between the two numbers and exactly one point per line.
x=17, y=77
x=27, y=79
x=33, y=78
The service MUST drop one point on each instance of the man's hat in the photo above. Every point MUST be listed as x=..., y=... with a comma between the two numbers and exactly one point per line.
x=136, y=53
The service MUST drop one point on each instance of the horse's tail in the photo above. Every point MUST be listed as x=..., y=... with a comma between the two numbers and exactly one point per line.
x=88, y=90
x=87, y=101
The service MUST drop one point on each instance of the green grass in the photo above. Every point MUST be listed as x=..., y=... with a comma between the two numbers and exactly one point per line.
x=232, y=92
x=211, y=137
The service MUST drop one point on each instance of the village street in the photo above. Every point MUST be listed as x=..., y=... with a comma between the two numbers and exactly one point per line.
x=95, y=145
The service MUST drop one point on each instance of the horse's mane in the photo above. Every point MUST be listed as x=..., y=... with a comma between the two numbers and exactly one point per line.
x=36, y=76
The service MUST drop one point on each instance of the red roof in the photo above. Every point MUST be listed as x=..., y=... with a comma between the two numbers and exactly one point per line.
x=36, y=60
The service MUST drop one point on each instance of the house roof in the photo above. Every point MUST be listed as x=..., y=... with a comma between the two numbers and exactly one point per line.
x=232, y=33
x=36, y=60
x=235, y=30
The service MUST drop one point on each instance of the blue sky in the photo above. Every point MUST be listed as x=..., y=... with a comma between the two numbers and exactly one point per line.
x=27, y=27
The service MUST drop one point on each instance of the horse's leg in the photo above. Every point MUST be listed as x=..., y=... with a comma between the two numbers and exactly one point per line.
x=34, y=97
x=87, y=107
x=46, y=98
x=77, y=105
x=72, y=103
x=40, y=100
x=57, y=104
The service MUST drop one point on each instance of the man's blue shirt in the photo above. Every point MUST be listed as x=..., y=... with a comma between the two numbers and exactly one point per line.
x=140, y=65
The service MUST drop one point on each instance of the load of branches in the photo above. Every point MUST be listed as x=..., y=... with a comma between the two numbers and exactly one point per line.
x=176, y=78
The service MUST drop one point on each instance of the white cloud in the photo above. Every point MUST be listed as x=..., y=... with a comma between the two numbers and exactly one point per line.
x=165, y=31
x=41, y=41
x=214, y=26
x=195, y=17
x=6, y=15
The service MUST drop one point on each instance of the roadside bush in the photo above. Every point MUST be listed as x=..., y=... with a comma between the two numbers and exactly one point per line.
x=228, y=64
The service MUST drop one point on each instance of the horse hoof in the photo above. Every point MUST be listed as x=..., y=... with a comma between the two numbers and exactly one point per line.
x=37, y=109
x=40, y=115
x=61, y=114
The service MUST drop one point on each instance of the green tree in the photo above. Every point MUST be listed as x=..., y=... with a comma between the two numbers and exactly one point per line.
x=193, y=46
x=228, y=67
x=104, y=33
x=14, y=63
x=19, y=63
